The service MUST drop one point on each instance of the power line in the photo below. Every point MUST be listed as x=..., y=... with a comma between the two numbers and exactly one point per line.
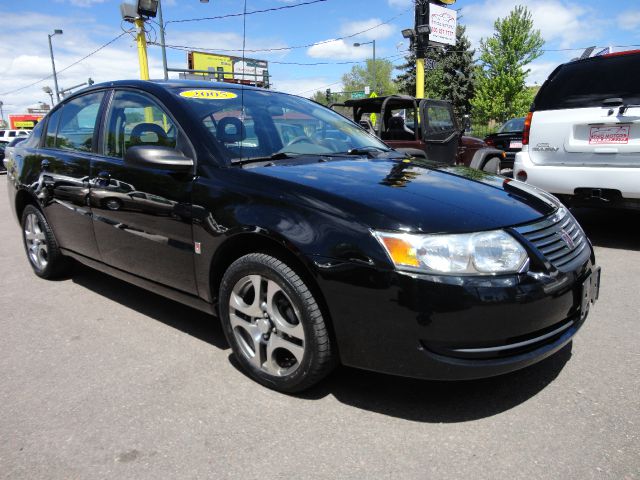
x=318, y=88
x=245, y=13
x=65, y=68
x=279, y=49
x=303, y=64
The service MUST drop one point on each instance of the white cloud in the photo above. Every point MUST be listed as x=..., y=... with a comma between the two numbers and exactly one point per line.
x=338, y=50
x=114, y=62
x=564, y=22
x=376, y=31
x=629, y=20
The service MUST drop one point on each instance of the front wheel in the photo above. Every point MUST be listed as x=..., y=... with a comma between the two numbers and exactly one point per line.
x=274, y=324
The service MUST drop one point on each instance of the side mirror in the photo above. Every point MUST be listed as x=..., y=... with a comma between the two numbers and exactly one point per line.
x=152, y=156
x=466, y=123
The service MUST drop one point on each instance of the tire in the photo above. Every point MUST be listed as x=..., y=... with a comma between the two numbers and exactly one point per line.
x=113, y=204
x=279, y=337
x=492, y=165
x=41, y=246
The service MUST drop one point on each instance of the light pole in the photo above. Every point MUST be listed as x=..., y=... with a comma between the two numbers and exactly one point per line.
x=164, y=49
x=162, y=44
x=1, y=114
x=49, y=92
x=53, y=63
x=375, y=78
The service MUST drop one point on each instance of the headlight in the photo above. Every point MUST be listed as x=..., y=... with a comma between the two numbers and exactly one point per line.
x=482, y=253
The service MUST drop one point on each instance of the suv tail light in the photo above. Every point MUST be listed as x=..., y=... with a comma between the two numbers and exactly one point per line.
x=527, y=128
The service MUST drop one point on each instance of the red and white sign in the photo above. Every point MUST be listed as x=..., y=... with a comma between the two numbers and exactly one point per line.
x=613, y=135
x=443, y=22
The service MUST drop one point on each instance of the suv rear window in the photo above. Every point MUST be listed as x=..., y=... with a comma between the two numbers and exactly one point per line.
x=587, y=83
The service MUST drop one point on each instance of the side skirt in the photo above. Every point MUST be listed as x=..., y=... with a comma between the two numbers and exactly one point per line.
x=184, y=298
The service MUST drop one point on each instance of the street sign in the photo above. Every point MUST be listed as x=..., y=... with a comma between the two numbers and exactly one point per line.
x=430, y=64
x=443, y=22
x=367, y=90
x=357, y=95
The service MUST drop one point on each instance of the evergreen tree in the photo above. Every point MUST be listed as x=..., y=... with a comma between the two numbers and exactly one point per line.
x=501, y=92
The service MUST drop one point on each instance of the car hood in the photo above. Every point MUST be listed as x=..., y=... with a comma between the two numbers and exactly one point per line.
x=410, y=195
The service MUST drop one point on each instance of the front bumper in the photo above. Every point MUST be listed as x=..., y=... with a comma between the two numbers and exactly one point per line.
x=452, y=328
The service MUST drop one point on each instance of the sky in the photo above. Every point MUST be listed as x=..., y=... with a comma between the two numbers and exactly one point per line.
x=281, y=37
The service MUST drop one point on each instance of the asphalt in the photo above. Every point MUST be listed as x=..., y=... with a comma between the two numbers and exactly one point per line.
x=100, y=379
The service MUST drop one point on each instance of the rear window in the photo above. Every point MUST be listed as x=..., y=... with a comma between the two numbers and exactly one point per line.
x=587, y=83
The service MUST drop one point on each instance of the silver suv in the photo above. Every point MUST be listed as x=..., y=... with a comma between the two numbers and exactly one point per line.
x=582, y=135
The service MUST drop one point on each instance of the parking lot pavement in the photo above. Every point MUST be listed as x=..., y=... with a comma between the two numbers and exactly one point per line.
x=100, y=379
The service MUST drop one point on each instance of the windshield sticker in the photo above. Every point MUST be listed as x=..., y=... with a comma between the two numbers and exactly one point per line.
x=208, y=94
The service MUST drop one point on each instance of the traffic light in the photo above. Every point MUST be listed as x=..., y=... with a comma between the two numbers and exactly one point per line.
x=328, y=93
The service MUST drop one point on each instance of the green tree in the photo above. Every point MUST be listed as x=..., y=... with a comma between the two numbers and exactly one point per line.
x=362, y=76
x=501, y=92
x=320, y=97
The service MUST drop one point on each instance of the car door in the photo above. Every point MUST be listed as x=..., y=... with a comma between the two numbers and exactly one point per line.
x=65, y=165
x=439, y=131
x=136, y=224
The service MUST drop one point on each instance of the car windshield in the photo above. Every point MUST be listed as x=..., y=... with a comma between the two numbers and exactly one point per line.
x=513, y=125
x=257, y=124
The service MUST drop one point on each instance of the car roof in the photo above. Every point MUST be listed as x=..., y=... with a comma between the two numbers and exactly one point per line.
x=167, y=85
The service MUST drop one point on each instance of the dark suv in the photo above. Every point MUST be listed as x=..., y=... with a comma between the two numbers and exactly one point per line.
x=311, y=240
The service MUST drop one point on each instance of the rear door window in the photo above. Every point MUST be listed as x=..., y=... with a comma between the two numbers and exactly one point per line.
x=78, y=123
x=588, y=83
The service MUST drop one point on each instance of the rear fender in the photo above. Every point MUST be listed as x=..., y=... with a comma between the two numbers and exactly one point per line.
x=484, y=154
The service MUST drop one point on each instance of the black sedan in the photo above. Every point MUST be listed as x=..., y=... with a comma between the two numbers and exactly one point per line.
x=509, y=139
x=322, y=248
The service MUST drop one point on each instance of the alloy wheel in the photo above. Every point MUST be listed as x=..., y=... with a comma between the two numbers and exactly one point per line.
x=36, y=242
x=266, y=325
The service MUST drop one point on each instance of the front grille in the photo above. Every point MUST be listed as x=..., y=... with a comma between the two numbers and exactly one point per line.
x=558, y=238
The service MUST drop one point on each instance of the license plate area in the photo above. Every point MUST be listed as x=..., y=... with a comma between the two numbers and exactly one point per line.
x=515, y=144
x=609, y=135
x=590, y=292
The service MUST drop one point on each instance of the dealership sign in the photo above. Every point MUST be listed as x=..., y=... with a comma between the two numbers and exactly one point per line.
x=443, y=22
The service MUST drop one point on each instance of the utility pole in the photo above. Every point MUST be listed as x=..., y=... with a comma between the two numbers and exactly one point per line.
x=422, y=40
x=141, y=40
x=162, y=45
x=53, y=63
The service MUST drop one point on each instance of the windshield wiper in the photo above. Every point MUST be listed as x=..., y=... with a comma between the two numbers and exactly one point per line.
x=369, y=151
x=275, y=156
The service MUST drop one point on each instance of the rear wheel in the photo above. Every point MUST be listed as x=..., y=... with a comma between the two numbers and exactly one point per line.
x=492, y=165
x=40, y=245
x=274, y=324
